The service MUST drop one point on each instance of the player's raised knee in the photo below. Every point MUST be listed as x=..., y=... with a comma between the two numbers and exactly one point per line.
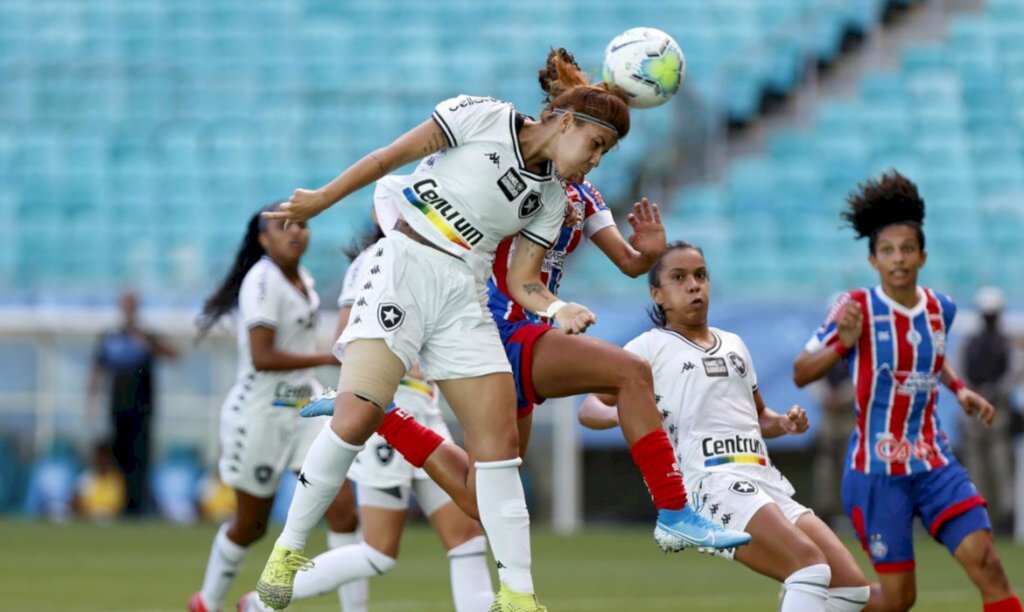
x=631, y=369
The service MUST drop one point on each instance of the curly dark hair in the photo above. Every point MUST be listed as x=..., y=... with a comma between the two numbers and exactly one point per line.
x=878, y=203
x=655, y=311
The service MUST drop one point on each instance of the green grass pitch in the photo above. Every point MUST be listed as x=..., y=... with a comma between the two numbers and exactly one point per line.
x=150, y=567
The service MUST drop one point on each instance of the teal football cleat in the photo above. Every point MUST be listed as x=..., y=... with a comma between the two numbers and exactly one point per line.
x=320, y=405
x=679, y=529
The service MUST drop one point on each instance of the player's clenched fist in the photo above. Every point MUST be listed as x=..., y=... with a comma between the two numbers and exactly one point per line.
x=849, y=323
x=795, y=420
x=574, y=318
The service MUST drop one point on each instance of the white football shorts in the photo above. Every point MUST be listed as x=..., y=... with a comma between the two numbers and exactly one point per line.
x=257, y=446
x=427, y=304
x=732, y=498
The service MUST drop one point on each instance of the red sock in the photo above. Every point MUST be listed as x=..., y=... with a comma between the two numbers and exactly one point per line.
x=1010, y=604
x=654, y=456
x=408, y=437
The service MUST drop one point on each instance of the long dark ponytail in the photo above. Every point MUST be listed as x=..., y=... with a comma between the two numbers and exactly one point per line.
x=225, y=298
x=655, y=311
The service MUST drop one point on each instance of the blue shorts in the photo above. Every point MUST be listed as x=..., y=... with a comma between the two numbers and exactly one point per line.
x=882, y=509
x=518, y=339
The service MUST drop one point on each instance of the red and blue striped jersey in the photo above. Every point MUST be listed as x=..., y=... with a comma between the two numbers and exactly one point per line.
x=592, y=215
x=896, y=368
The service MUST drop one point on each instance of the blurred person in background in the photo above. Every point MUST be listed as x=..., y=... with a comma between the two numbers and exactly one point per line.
x=125, y=359
x=101, y=490
x=261, y=433
x=988, y=361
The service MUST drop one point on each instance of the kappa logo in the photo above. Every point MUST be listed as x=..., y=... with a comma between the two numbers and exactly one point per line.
x=375, y=270
x=361, y=302
x=302, y=479
x=743, y=487
x=495, y=159
x=738, y=363
x=385, y=453
x=688, y=366
x=390, y=316
x=715, y=366
x=511, y=184
x=530, y=205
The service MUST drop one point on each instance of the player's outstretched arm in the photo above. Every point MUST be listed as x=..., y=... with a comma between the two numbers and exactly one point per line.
x=598, y=411
x=266, y=357
x=644, y=247
x=530, y=292
x=417, y=143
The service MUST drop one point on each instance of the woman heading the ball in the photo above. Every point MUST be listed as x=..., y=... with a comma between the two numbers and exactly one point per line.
x=560, y=365
x=492, y=173
x=893, y=338
x=707, y=392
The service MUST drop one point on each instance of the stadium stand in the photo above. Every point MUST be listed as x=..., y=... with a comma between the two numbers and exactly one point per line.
x=136, y=137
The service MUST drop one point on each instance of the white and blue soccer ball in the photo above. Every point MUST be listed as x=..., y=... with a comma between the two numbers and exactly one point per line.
x=645, y=63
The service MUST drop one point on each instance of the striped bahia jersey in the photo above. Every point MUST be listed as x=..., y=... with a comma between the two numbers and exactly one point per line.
x=896, y=367
x=592, y=216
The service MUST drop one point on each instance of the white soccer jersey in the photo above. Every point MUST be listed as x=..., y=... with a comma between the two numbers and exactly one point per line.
x=706, y=400
x=268, y=299
x=349, y=285
x=468, y=197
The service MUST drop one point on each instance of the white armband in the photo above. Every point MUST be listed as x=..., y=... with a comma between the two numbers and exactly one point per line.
x=552, y=309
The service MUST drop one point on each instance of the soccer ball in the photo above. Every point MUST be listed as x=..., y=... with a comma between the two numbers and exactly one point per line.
x=645, y=63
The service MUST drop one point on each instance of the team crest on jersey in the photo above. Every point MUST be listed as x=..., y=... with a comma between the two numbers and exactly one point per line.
x=263, y=473
x=743, y=487
x=512, y=185
x=738, y=363
x=385, y=453
x=390, y=316
x=939, y=342
x=715, y=366
x=530, y=205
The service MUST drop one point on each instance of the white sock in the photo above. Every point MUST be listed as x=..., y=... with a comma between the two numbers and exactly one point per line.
x=471, y=580
x=848, y=599
x=355, y=594
x=806, y=590
x=336, y=567
x=502, y=506
x=224, y=562
x=322, y=474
